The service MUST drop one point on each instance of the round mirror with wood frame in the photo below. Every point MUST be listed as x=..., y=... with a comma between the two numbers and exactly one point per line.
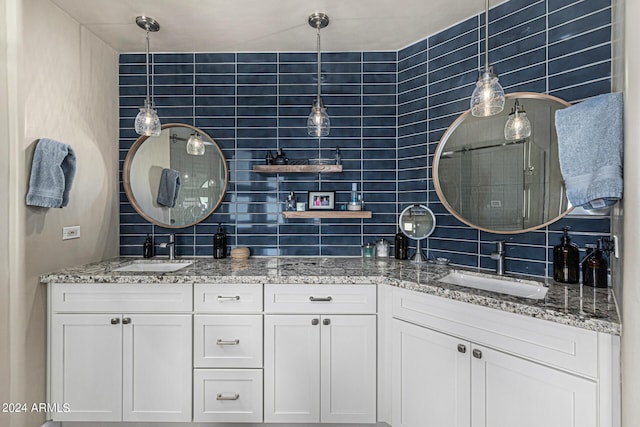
x=198, y=183
x=498, y=185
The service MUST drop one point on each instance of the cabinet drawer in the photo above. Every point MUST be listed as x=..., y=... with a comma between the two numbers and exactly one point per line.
x=223, y=298
x=227, y=395
x=320, y=299
x=224, y=341
x=554, y=344
x=121, y=297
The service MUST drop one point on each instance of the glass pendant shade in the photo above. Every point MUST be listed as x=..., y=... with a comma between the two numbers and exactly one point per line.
x=195, y=145
x=518, y=125
x=147, y=121
x=488, y=96
x=318, y=123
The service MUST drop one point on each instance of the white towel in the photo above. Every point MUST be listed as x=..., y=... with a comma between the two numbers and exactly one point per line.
x=590, y=145
x=52, y=171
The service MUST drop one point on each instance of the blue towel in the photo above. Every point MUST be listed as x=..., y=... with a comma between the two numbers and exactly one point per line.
x=169, y=187
x=52, y=171
x=590, y=145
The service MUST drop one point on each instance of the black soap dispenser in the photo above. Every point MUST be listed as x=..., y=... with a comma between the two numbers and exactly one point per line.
x=594, y=268
x=147, y=248
x=220, y=243
x=566, y=260
x=401, y=246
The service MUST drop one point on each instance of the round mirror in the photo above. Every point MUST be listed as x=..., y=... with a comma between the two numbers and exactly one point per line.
x=497, y=183
x=417, y=222
x=169, y=186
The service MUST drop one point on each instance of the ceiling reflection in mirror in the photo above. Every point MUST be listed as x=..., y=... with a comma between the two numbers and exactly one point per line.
x=502, y=185
x=200, y=179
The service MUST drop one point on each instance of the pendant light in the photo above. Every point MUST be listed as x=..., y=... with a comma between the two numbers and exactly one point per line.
x=488, y=96
x=147, y=120
x=195, y=145
x=518, y=125
x=318, y=123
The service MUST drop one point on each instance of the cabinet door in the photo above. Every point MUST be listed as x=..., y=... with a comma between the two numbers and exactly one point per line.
x=348, y=369
x=86, y=366
x=430, y=382
x=508, y=391
x=291, y=368
x=157, y=367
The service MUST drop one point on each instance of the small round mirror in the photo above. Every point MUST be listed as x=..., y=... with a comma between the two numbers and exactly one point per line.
x=417, y=222
x=197, y=179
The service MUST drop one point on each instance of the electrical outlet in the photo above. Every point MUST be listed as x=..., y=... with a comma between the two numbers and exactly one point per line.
x=72, y=232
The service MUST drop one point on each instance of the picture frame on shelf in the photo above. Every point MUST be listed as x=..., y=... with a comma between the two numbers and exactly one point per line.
x=321, y=200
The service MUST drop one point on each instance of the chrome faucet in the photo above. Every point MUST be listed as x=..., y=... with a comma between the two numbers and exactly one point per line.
x=498, y=255
x=171, y=244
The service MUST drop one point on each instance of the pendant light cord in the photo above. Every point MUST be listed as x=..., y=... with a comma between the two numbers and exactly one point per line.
x=318, y=99
x=486, y=36
x=147, y=62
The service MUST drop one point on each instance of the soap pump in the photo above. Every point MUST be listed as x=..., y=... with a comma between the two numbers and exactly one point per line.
x=594, y=267
x=220, y=243
x=566, y=260
x=147, y=249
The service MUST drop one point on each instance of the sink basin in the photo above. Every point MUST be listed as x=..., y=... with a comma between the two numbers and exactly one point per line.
x=154, y=266
x=502, y=285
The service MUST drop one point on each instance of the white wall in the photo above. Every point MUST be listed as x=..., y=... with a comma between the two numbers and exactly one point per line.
x=631, y=247
x=64, y=81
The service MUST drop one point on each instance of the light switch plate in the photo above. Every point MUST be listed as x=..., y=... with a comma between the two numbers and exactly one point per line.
x=72, y=232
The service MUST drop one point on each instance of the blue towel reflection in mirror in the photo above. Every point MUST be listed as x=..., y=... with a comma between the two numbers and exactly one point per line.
x=52, y=171
x=169, y=188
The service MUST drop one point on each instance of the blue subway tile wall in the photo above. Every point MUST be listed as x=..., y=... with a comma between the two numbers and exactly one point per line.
x=388, y=112
x=251, y=103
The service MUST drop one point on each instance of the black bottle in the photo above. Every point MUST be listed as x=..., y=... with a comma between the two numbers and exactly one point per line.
x=566, y=260
x=147, y=248
x=401, y=246
x=268, y=160
x=594, y=268
x=338, y=156
x=280, y=159
x=220, y=243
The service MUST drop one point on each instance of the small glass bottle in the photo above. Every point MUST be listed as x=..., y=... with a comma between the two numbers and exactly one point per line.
x=401, y=246
x=338, y=156
x=566, y=260
x=594, y=268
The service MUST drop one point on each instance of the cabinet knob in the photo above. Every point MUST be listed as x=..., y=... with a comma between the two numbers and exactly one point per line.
x=326, y=321
x=462, y=348
x=115, y=321
x=220, y=396
x=477, y=354
x=228, y=342
x=126, y=320
x=320, y=299
x=315, y=321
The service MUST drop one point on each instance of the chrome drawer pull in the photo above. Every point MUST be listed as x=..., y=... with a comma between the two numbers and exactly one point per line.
x=115, y=321
x=314, y=299
x=221, y=397
x=477, y=354
x=223, y=342
x=235, y=298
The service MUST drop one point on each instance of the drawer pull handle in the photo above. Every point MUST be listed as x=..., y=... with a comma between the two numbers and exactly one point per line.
x=126, y=320
x=477, y=354
x=115, y=321
x=230, y=342
x=315, y=299
x=234, y=298
x=462, y=348
x=236, y=396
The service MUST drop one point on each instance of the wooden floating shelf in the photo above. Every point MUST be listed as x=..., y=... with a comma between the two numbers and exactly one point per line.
x=297, y=168
x=326, y=214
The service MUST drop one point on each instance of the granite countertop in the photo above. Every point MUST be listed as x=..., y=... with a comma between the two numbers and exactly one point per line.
x=592, y=309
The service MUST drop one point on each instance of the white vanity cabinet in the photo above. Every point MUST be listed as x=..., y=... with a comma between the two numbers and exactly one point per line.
x=120, y=352
x=320, y=354
x=227, y=353
x=462, y=365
